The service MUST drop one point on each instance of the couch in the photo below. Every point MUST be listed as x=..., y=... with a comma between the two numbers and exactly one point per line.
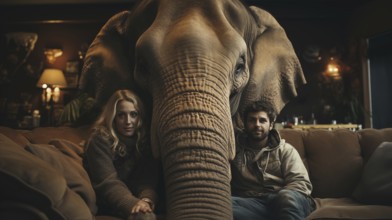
x=336, y=161
x=37, y=184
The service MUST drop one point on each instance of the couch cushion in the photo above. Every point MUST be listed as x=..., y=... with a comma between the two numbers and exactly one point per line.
x=43, y=135
x=69, y=148
x=346, y=208
x=335, y=162
x=26, y=178
x=69, y=166
x=375, y=186
x=16, y=135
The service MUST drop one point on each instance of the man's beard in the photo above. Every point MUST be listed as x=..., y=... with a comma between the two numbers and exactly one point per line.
x=258, y=137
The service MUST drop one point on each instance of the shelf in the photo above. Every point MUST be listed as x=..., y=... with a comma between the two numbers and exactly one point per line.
x=352, y=127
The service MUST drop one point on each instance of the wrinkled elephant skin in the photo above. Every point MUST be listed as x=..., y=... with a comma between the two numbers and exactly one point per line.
x=197, y=64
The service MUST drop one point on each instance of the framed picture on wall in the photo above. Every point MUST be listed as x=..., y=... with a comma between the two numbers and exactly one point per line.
x=72, y=73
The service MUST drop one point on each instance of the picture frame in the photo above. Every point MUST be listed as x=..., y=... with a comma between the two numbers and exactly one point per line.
x=72, y=73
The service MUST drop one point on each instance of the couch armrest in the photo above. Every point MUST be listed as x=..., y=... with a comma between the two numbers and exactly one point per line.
x=27, y=179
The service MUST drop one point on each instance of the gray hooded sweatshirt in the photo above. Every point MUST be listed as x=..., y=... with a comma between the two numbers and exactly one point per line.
x=273, y=168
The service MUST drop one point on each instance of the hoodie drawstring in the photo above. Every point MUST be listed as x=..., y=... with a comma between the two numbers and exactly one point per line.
x=266, y=164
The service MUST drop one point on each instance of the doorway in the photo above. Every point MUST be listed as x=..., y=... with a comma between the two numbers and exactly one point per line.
x=380, y=74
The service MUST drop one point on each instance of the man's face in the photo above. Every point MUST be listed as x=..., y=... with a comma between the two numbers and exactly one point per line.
x=257, y=125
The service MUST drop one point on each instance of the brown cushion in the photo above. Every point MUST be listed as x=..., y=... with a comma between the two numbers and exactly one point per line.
x=26, y=178
x=16, y=135
x=69, y=166
x=375, y=186
x=71, y=149
x=335, y=162
x=43, y=135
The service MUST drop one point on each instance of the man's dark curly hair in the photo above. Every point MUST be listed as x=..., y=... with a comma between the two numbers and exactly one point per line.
x=260, y=106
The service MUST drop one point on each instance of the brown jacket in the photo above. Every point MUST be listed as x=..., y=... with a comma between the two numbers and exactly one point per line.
x=120, y=181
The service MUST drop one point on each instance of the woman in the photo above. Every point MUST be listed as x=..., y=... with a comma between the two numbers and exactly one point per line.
x=119, y=161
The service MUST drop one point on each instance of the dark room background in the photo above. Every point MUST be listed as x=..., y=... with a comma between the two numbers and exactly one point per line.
x=320, y=31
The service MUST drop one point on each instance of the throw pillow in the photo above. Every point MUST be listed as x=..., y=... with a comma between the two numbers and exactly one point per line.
x=375, y=186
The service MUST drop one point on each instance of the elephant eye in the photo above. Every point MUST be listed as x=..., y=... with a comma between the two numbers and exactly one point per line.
x=240, y=76
x=239, y=68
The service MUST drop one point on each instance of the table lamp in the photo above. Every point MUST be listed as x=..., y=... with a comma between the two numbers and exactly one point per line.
x=51, y=81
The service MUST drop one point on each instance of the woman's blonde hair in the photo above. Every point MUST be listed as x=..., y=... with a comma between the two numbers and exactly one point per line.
x=106, y=119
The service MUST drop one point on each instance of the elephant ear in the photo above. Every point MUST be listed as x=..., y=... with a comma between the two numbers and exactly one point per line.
x=110, y=59
x=275, y=71
x=106, y=67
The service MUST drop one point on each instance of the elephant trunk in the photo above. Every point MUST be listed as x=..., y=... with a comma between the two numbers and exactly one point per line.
x=195, y=137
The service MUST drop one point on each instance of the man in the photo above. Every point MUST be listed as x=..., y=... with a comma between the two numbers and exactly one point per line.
x=269, y=178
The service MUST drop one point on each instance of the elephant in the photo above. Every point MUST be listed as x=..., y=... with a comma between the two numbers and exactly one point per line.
x=196, y=64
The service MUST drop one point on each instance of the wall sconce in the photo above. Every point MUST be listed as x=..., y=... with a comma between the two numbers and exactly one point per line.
x=52, y=53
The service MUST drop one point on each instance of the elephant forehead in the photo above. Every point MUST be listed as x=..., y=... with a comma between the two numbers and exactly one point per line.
x=196, y=27
x=210, y=23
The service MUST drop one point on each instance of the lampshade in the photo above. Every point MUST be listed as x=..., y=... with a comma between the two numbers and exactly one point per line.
x=52, y=77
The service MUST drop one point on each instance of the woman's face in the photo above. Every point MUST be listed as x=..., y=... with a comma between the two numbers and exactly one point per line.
x=126, y=118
